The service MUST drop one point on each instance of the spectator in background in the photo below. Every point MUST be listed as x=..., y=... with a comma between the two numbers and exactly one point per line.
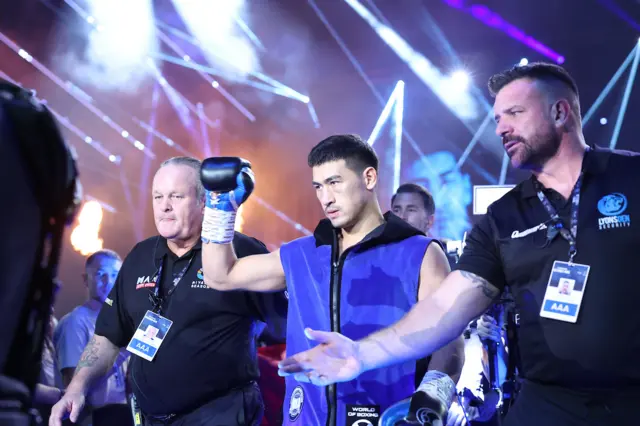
x=108, y=400
x=415, y=204
x=451, y=190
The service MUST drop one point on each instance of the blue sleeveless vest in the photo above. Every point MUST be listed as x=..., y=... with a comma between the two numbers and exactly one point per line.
x=371, y=286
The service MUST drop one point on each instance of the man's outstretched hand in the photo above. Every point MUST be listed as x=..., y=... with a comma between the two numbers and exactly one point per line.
x=334, y=359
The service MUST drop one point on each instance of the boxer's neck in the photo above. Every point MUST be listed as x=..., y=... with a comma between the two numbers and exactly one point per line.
x=371, y=218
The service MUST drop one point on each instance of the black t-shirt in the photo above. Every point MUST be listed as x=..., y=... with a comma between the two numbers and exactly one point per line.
x=211, y=346
x=509, y=247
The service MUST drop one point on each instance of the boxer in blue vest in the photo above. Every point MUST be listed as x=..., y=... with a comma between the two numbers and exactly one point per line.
x=359, y=272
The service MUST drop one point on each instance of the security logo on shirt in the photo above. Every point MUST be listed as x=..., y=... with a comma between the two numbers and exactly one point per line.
x=611, y=207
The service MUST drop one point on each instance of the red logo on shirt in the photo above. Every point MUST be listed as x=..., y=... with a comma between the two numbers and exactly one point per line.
x=146, y=282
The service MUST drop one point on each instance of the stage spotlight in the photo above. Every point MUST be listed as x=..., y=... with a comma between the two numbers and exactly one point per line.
x=603, y=121
x=125, y=35
x=454, y=88
x=214, y=25
x=460, y=80
x=524, y=61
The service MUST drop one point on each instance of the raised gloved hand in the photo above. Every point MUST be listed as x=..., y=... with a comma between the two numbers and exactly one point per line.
x=228, y=182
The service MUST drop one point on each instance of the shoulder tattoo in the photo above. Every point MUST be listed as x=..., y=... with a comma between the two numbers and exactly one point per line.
x=487, y=289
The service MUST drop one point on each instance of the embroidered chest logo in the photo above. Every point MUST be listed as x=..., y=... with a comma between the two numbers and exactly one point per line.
x=611, y=207
x=522, y=234
x=146, y=282
x=199, y=282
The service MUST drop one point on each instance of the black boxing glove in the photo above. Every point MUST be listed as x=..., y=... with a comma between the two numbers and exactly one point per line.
x=220, y=174
x=228, y=182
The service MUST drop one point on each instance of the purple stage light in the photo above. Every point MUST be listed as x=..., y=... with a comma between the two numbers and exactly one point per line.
x=458, y=4
x=491, y=19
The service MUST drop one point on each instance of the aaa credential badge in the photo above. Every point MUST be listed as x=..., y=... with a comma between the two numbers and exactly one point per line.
x=149, y=336
x=565, y=290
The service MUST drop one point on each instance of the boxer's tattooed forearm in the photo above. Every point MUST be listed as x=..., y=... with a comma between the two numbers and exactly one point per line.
x=487, y=289
x=90, y=355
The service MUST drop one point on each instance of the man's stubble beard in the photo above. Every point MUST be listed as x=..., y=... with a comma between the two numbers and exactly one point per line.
x=539, y=149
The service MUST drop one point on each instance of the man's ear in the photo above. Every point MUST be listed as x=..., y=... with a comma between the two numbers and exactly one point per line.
x=560, y=113
x=370, y=176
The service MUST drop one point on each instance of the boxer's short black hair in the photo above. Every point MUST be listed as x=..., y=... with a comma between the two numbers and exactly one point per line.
x=357, y=153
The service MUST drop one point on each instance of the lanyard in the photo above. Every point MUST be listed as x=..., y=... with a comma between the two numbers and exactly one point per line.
x=568, y=234
x=156, y=300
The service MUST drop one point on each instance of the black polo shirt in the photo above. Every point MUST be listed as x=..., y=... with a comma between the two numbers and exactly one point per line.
x=509, y=247
x=211, y=346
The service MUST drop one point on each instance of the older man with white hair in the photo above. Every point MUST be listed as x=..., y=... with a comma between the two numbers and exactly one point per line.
x=200, y=367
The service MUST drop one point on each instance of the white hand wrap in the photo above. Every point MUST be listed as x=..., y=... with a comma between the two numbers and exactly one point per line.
x=218, y=226
x=438, y=386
